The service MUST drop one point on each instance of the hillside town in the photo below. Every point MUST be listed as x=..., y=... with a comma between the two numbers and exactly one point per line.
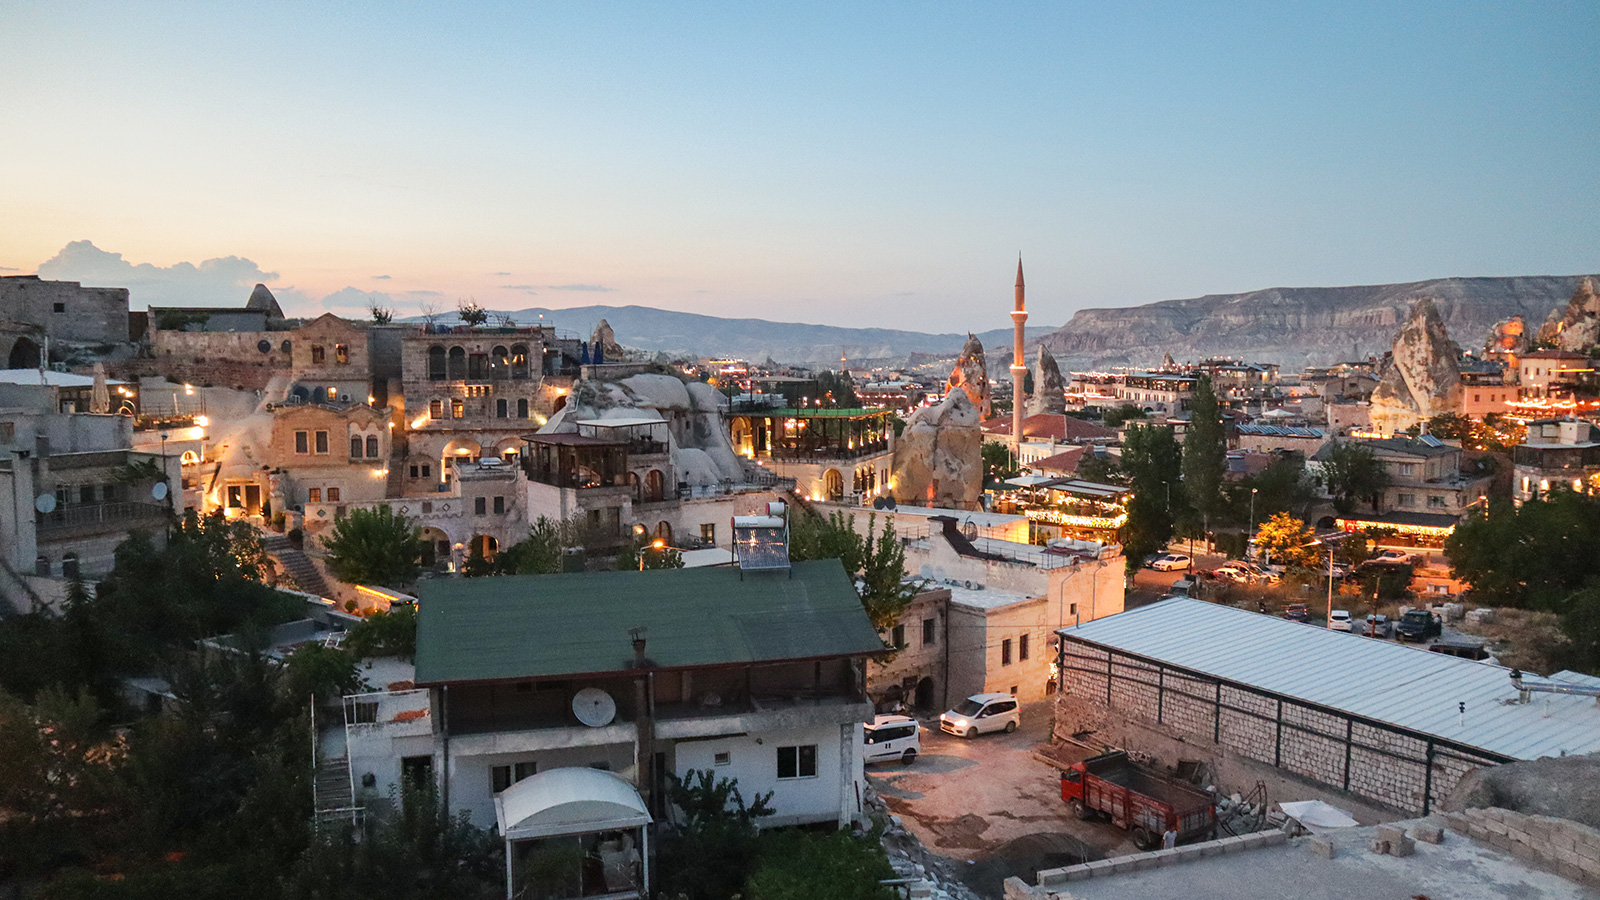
x=470, y=605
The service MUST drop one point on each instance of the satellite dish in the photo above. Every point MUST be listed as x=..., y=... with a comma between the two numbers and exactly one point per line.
x=970, y=530
x=45, y=503
x=159, y=491
x=878, y=503
x=594, y=707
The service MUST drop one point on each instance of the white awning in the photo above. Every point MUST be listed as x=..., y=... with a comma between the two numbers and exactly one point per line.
x=622, y=421
x=1030, y=480
x=572, y=800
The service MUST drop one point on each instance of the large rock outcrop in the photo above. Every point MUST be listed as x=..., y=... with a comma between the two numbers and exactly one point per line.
x=1049, y=389
x=607, y=339
x=971, y=375
x=701, y=452
x=938, y=459
x=1423, y=378
x=1576, y=328
x=1507, y=337
x=1565, y=787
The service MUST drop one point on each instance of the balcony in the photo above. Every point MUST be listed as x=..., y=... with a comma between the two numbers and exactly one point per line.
x=97, y=516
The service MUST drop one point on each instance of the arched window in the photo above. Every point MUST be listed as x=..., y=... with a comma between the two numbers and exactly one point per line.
x=664, y=533
x=458, y=364
x=499, y=364
x=355, y=446
x=436, y=364
x=519, y=360
x=372, y=446
x=654, y=486
x=833, y=485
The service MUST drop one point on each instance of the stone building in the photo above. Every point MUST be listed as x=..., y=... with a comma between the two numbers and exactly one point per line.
x=1559, y=455
x=1375, y=720
x=330, y=362
x=332, y=453
x=33, y=310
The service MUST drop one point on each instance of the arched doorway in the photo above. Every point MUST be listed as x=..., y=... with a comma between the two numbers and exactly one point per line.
x=485, y=546
x=664, y=533
x=654, y=486
x=24, y=354
x=833, y=485
x=435, y=546
x=459, y=452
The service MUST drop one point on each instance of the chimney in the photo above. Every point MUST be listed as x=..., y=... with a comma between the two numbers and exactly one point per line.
x=638, y=636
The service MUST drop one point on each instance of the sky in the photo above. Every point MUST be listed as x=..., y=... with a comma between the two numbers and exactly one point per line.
x=852, y=164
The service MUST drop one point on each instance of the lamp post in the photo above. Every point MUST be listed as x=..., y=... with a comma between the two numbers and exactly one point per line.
x=1250, y=536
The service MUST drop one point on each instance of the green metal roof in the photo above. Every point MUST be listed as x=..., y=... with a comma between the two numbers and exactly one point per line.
x=531, y=626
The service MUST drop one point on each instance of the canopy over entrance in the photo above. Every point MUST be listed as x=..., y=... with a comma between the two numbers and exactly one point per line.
x=571, y=800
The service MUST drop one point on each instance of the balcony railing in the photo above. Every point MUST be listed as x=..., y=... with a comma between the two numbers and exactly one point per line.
x=93, y=515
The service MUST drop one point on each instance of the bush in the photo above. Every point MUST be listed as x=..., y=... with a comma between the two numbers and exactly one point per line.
x=799, y=865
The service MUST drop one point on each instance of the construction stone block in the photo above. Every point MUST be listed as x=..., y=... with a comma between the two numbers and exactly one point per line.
x=1380, y=846
x=920, y=890
x=1097, y=868
x=1017, y=889
x=1402, y=847
x=1048, y=877
x=1140, y=861
x=1323, y=847
x=1428, y=834
x=1390, y=833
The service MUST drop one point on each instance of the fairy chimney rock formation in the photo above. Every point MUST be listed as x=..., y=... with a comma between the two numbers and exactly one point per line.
x=607, y=339
x=1049, y=390
x=1423, y=379
x=971, y=375
x=1576, y=328
x=938, y=459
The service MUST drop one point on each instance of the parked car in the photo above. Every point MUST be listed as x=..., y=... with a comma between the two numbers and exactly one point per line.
x=891, y=737
x=1377, y=626
x=1417, y=625
x=982, y=713
x=1339, y=620
x=1296, y=612
x=1393, y=557
x=1185, y=587
x=1171, y=562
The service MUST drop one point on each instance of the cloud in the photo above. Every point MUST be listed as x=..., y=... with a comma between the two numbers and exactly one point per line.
x=223, y=281
x=517, y=287
x=380, y=278
x=422, y=293
x=596, y=288
x=9, y=269
x=352, y=298
x=502, y=274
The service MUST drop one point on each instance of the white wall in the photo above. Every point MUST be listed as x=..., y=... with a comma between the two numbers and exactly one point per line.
x=753, y=760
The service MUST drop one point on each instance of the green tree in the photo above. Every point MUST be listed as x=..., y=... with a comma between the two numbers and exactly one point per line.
x=315, y=670
x=374, y=546
x=711, y=853
x=1153, y=462
x=1121, y=414
x=1287, y=541
x=1100, y=469
x=1352, y=474
x=999, y=463
x=1534, y=556
x=837, y=390
x=391, y=633
x=662, y=557
x=1494, y=434
x=797, y=865
x=537, y=554
x=876, y=564
x=472, y=314
x=1205, y=453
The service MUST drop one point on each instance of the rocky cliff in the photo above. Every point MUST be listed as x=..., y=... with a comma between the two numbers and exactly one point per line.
x=938, y=459
x=1299, y=326
x=1048, y=386
x=971, y=375
x=1576, y=328
x=1422, y=379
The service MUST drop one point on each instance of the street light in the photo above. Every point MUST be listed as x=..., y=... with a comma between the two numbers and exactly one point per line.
x=1250, y=537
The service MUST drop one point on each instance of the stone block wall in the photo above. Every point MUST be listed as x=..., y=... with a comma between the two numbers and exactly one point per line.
x=1408, y=771
x=1571, y=848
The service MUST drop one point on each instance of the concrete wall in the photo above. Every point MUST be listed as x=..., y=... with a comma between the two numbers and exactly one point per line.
x=66, y=310
x=1164, y=712
x=753, y=760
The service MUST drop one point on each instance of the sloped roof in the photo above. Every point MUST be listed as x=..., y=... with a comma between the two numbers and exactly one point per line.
x=1065, y=461
x=1404, y=686
x=1056, y=426
x=261, y=299
x=528, y=626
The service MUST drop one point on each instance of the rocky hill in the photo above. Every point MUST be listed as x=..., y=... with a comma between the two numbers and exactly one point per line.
x=1300, y=326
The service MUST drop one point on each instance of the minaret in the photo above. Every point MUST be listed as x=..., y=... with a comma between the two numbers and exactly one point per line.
x=1019, y=369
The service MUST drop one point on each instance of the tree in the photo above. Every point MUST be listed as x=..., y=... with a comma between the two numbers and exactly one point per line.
x=1352, y=473
x=875, y=564
x=1099, y=469
x=537, y=554
x=1287, y=541
x=374, y=546
x=1123, y=413
x=391, y=633
x=999, y=463
x=1154, y=465
x=1534, y=556
x=797, y=865
x=1494, y=434
x=472, y=314
x=712, y=852
x=837, y=390
x=662, y=557
x=381, y=315
x=1205, y=453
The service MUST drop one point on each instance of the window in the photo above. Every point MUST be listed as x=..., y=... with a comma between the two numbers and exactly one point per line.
x=59, y=307
x=1435, y=502
x=797, y=762
x=318, y=355
x=355, y=446
x=302, y=442
x=8, y=432
x=929, y=632
x=427, y=470
x=1022, y=649
x=503, y=777
x=436, y=409
x=708, y=533
x=499, y=505
x=314, y=495
x=501, y=409
x=1005, y=652
x=372, y=446
x=458, y=364
x=322, y=442
x=341, y=354
x=333, y=495
x=414, y=471
x=722, y=758
x=1072, y=610
x=1406, y=500
x=1408, y=469
x=435, y=363
x=480, y=505
x=898, y=640
x=522, y=408
x=1474, y=398
x=458, y=409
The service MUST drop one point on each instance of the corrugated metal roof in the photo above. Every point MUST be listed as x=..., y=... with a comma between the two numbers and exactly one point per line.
x=1401, y=685
x=528, y=626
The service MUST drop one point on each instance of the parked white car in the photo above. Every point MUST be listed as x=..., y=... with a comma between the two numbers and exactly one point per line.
x=1339, y=620
x=1171, y=561
x=891, y=737
x=982, y=713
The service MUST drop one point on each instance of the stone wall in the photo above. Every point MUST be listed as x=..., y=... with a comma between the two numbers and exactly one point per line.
x=232, y=359
x=1568, y=847
x=1137, y=705
x=66, y=310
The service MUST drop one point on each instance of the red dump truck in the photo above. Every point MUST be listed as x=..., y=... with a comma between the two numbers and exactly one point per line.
x=1146, y=803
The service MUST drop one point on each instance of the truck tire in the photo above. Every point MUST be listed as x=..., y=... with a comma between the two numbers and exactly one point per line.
x=1143, y=839
x=1010, y=727
x=1079, y=811
x=909, y=757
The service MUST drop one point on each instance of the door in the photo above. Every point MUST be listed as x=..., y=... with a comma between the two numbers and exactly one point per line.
x=252, y=498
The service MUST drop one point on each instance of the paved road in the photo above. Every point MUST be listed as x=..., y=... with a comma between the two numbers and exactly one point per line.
x=988, y=802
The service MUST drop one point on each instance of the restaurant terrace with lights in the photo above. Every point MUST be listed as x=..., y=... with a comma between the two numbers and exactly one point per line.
x=837, y=455
x=1064, y=507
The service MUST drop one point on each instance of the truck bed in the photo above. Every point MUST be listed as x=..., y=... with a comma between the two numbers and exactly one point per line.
x=1123, y=773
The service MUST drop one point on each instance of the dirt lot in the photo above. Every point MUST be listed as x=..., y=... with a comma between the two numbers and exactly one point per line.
x=987, y=802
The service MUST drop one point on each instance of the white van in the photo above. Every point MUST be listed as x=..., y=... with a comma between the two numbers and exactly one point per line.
x=982, y=713
x=891, y=737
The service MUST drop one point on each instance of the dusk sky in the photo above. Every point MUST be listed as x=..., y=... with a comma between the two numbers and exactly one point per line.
x=850, y=164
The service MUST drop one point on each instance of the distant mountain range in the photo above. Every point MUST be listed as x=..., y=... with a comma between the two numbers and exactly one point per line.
x=691, y=334
x=1292, y=327
x=1295, y=327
